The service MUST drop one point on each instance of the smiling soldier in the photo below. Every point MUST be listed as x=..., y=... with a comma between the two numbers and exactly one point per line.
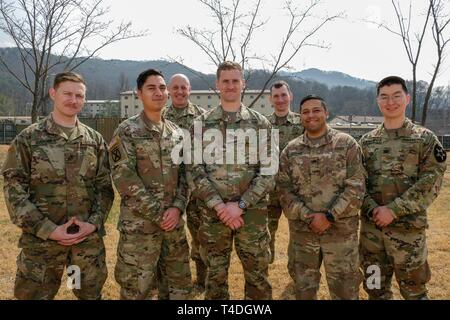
x=58, y=191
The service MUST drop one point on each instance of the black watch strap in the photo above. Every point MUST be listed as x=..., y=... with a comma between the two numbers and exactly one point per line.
x=330, y=217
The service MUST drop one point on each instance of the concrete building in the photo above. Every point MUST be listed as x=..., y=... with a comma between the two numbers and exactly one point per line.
x=130, y=105
x=100, y=109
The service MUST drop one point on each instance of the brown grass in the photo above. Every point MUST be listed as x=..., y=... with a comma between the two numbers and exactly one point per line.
x=438, y=244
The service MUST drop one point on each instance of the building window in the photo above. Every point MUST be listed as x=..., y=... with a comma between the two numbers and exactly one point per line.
x=209, y=97
x=198, y=97
x=251, y=97
x=126, y=97
x=136, y=106
x=126, y=107
x=209, y=106
x=263, y=106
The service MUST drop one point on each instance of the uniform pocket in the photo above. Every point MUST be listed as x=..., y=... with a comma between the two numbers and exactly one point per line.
x=88, y=167
x=29, y=269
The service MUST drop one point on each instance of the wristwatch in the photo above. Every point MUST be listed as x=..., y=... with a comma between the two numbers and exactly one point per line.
x=242, y=204
x=329, y=216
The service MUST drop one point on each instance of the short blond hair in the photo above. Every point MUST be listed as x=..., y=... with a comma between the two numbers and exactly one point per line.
x=228, y=65
x=67, y=76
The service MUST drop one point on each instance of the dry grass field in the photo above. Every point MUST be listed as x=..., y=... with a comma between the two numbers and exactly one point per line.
x=438, y=244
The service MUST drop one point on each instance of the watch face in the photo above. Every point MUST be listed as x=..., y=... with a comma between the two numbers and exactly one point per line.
x=242, y=204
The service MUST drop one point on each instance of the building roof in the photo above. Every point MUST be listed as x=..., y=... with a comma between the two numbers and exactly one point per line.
x=102, y=101
x=356, y=120
x=16, y=120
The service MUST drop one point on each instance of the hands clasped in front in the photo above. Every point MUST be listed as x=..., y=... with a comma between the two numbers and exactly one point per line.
x=230, y=214
x=65, y=238
x=319, y=223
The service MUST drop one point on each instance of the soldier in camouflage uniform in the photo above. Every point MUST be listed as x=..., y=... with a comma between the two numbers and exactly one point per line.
x=289, y=128
x=322, y=184
x=153, y=192
x=405, y=164
x=234, y=194
x=58, y=191
x=183, y=112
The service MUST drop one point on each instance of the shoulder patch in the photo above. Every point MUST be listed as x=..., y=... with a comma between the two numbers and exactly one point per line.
x=439, y=153
x=117, y=152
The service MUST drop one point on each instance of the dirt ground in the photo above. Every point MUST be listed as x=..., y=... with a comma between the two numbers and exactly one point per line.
x=438, y=244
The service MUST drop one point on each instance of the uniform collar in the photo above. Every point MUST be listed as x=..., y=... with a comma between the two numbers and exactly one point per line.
x=149, y=126
x=324, y=140
x=218, y=113
x=290, y=117
x=52, y=127
x=404, y=131
x=188, y=110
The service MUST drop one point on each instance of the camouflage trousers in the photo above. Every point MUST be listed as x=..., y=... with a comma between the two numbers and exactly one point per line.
x=274, y=213
x=251, y=242
x=139, y=256
x=337, y=248
x=40, y=267
x=394, y=250
x=193, y=215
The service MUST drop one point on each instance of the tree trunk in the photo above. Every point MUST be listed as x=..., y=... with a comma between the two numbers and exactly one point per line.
x=414, y=96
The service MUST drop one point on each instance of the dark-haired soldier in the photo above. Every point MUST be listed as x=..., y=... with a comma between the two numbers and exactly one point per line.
x=58, y=191
x=153, y=190
x=322, y=184
x=289, y=128
x=405, y=164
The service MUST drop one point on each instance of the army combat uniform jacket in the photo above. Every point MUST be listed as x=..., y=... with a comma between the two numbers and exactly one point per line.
x=50, y=178
x=145, y=176
x=289, y=130
x=221, y=181
x=325, y=175
x=405, y=169
x=185, y=117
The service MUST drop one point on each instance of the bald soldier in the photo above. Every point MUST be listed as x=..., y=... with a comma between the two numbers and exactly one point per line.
x=405, y=164
x=289, y=128
x=183, y=112
x=58, y=191
x=153, y=192
x=321, y=182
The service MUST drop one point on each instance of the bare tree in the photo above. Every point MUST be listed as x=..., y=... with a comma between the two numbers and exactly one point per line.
x=412, y=41
x=55, y=34
x=435, y=22
x=441, y=21
x=236, y=28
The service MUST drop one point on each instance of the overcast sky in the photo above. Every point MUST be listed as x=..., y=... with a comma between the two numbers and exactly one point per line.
x=356, y=47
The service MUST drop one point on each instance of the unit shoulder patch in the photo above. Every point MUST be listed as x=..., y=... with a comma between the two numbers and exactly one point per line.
x=439, y=153
x=117, y=152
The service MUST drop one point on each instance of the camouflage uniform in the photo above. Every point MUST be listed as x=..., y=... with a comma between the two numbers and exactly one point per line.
x=323, y=175
x=230, y=182
x=184, y=120
x=289, y=128
x=50, y=178
x=149, y=183
x=405, y=168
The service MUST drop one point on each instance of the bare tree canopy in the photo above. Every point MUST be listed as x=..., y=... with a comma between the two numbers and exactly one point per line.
x=56, y=34
x=440, y=13
x=434, y=23
x=236, y=27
